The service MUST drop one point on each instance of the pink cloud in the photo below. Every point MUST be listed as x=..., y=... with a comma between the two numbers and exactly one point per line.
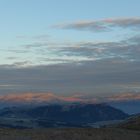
x=52, y=98
x=38, y=97
x=102, y=25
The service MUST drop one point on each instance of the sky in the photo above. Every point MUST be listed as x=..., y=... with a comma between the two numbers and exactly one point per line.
x=84, y=48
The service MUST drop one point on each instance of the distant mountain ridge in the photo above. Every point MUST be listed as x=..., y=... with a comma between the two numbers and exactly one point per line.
x=70, y=114
x=78, y=113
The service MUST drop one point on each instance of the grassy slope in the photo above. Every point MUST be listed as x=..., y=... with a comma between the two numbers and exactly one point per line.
x=132, y=124
x=129, y=130
x=69, y=134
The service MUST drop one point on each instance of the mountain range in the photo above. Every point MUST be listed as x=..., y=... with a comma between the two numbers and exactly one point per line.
x=60, y=115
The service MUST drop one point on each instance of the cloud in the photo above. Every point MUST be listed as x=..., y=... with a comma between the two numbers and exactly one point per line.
x=125, y=97
x=47, y=53
x=88, y=49
x=36, y=45
x=12, y=58
x=17, y=51
x=127, y=49
x=103, y=25
x=22, y=64
x=98, y=68
x=41, y=98
x=43, y=37
x=38, y=98
x=100, y=77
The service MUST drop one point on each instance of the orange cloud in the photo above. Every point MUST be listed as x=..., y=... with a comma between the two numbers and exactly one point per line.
x=52, y=98
x=38, y=97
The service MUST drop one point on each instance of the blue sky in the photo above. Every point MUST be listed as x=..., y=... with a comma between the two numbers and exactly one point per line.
x=23, y=21
x=29, y=19
x=70, y=46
